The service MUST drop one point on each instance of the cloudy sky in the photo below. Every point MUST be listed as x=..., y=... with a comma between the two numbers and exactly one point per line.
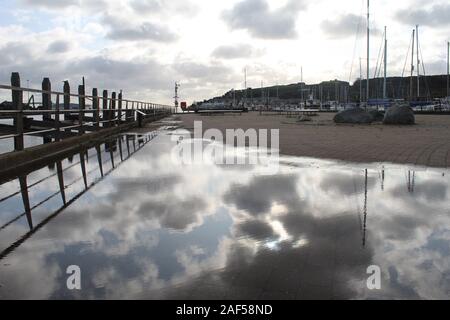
x=144, y=46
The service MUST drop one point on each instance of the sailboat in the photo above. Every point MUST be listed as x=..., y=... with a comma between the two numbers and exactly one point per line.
x=418, y=101
x=385, y=102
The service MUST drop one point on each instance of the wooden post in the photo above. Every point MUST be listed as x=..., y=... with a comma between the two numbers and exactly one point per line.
x=66, y=100
x=26, y=199
x=81, y=108
x=99, y=158
x=95, y=106
x=111, y=153
x=17, y=100
x=61, y=181
x=113, y=108
x=120, y=107
x=128, y=145
x=83, y=168
x=46, y=99
x=119, y=140
x=57, y=124
x=105, y=112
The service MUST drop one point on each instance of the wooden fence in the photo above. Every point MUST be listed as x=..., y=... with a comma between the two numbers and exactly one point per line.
x=106, y=111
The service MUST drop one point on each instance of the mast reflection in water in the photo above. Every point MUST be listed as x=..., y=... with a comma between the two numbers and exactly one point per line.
x=154, y=229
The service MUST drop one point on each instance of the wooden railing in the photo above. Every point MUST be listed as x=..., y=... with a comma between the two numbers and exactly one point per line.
x=105, y=112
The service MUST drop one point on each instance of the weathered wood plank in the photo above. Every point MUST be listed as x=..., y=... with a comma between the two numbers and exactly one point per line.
x=17, y=100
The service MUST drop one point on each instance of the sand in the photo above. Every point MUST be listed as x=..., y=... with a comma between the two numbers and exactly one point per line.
x=427, y=143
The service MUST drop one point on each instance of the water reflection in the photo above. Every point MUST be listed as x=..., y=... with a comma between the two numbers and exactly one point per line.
x=44, y=177
x=153, y=229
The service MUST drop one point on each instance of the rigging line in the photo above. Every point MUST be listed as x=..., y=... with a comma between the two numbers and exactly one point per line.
x=381, y=67
x=379, y=54
x=358, y=31
x=400, y=86
x=424, y=72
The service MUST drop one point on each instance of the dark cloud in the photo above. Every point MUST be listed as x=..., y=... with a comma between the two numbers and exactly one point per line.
x=59, y=46
x=258, y=196
x=342, y=27
x=118, y=73
x=145, y=31
x=14, y=53
x=256, y=17
x=234, y=51
x=255, y=229
x=100, y=71
x=437, y=15
x=124, y=31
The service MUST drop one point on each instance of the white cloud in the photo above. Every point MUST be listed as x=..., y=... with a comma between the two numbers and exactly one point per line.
x=256, y=17
x=206, y=44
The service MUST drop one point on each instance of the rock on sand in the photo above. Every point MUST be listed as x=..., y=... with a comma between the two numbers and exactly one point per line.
x=354, y=115
x=399, y=115
x=377, y=116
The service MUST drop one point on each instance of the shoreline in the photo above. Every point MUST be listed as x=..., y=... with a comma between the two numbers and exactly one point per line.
x=425, y=144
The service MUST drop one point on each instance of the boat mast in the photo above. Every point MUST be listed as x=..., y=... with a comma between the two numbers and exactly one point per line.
x=411, y=90
x=448, y=71
x=360, y=82
x=385, y=63
x=368, y=51
x=418, y=61
x=245, y=85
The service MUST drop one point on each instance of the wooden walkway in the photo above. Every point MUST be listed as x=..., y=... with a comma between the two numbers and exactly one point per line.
x=59, y=120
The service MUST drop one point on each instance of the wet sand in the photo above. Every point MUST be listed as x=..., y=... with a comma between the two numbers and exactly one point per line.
x=427, y=143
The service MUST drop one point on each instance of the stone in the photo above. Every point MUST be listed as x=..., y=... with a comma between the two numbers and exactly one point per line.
x=399, y=115
x=354, y=115
x=377, y=116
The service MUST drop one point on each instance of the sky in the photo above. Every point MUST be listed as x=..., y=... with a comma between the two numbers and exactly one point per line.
x=143, y=46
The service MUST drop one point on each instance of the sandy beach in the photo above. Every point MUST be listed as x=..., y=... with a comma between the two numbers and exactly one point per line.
x=427, y=143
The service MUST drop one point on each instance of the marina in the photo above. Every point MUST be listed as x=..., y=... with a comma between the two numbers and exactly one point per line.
x=227, y=158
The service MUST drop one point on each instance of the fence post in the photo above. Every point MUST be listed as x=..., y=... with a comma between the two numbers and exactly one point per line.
x=113, y=108
x=17, y=100
x=95, y=106
x=57, y=124
x=105, y=112
x=66, y=100
x=120, y=107
x=46, y=98
x=81, y=108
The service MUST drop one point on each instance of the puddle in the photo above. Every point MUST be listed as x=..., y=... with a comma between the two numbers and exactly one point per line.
x=153, y=229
